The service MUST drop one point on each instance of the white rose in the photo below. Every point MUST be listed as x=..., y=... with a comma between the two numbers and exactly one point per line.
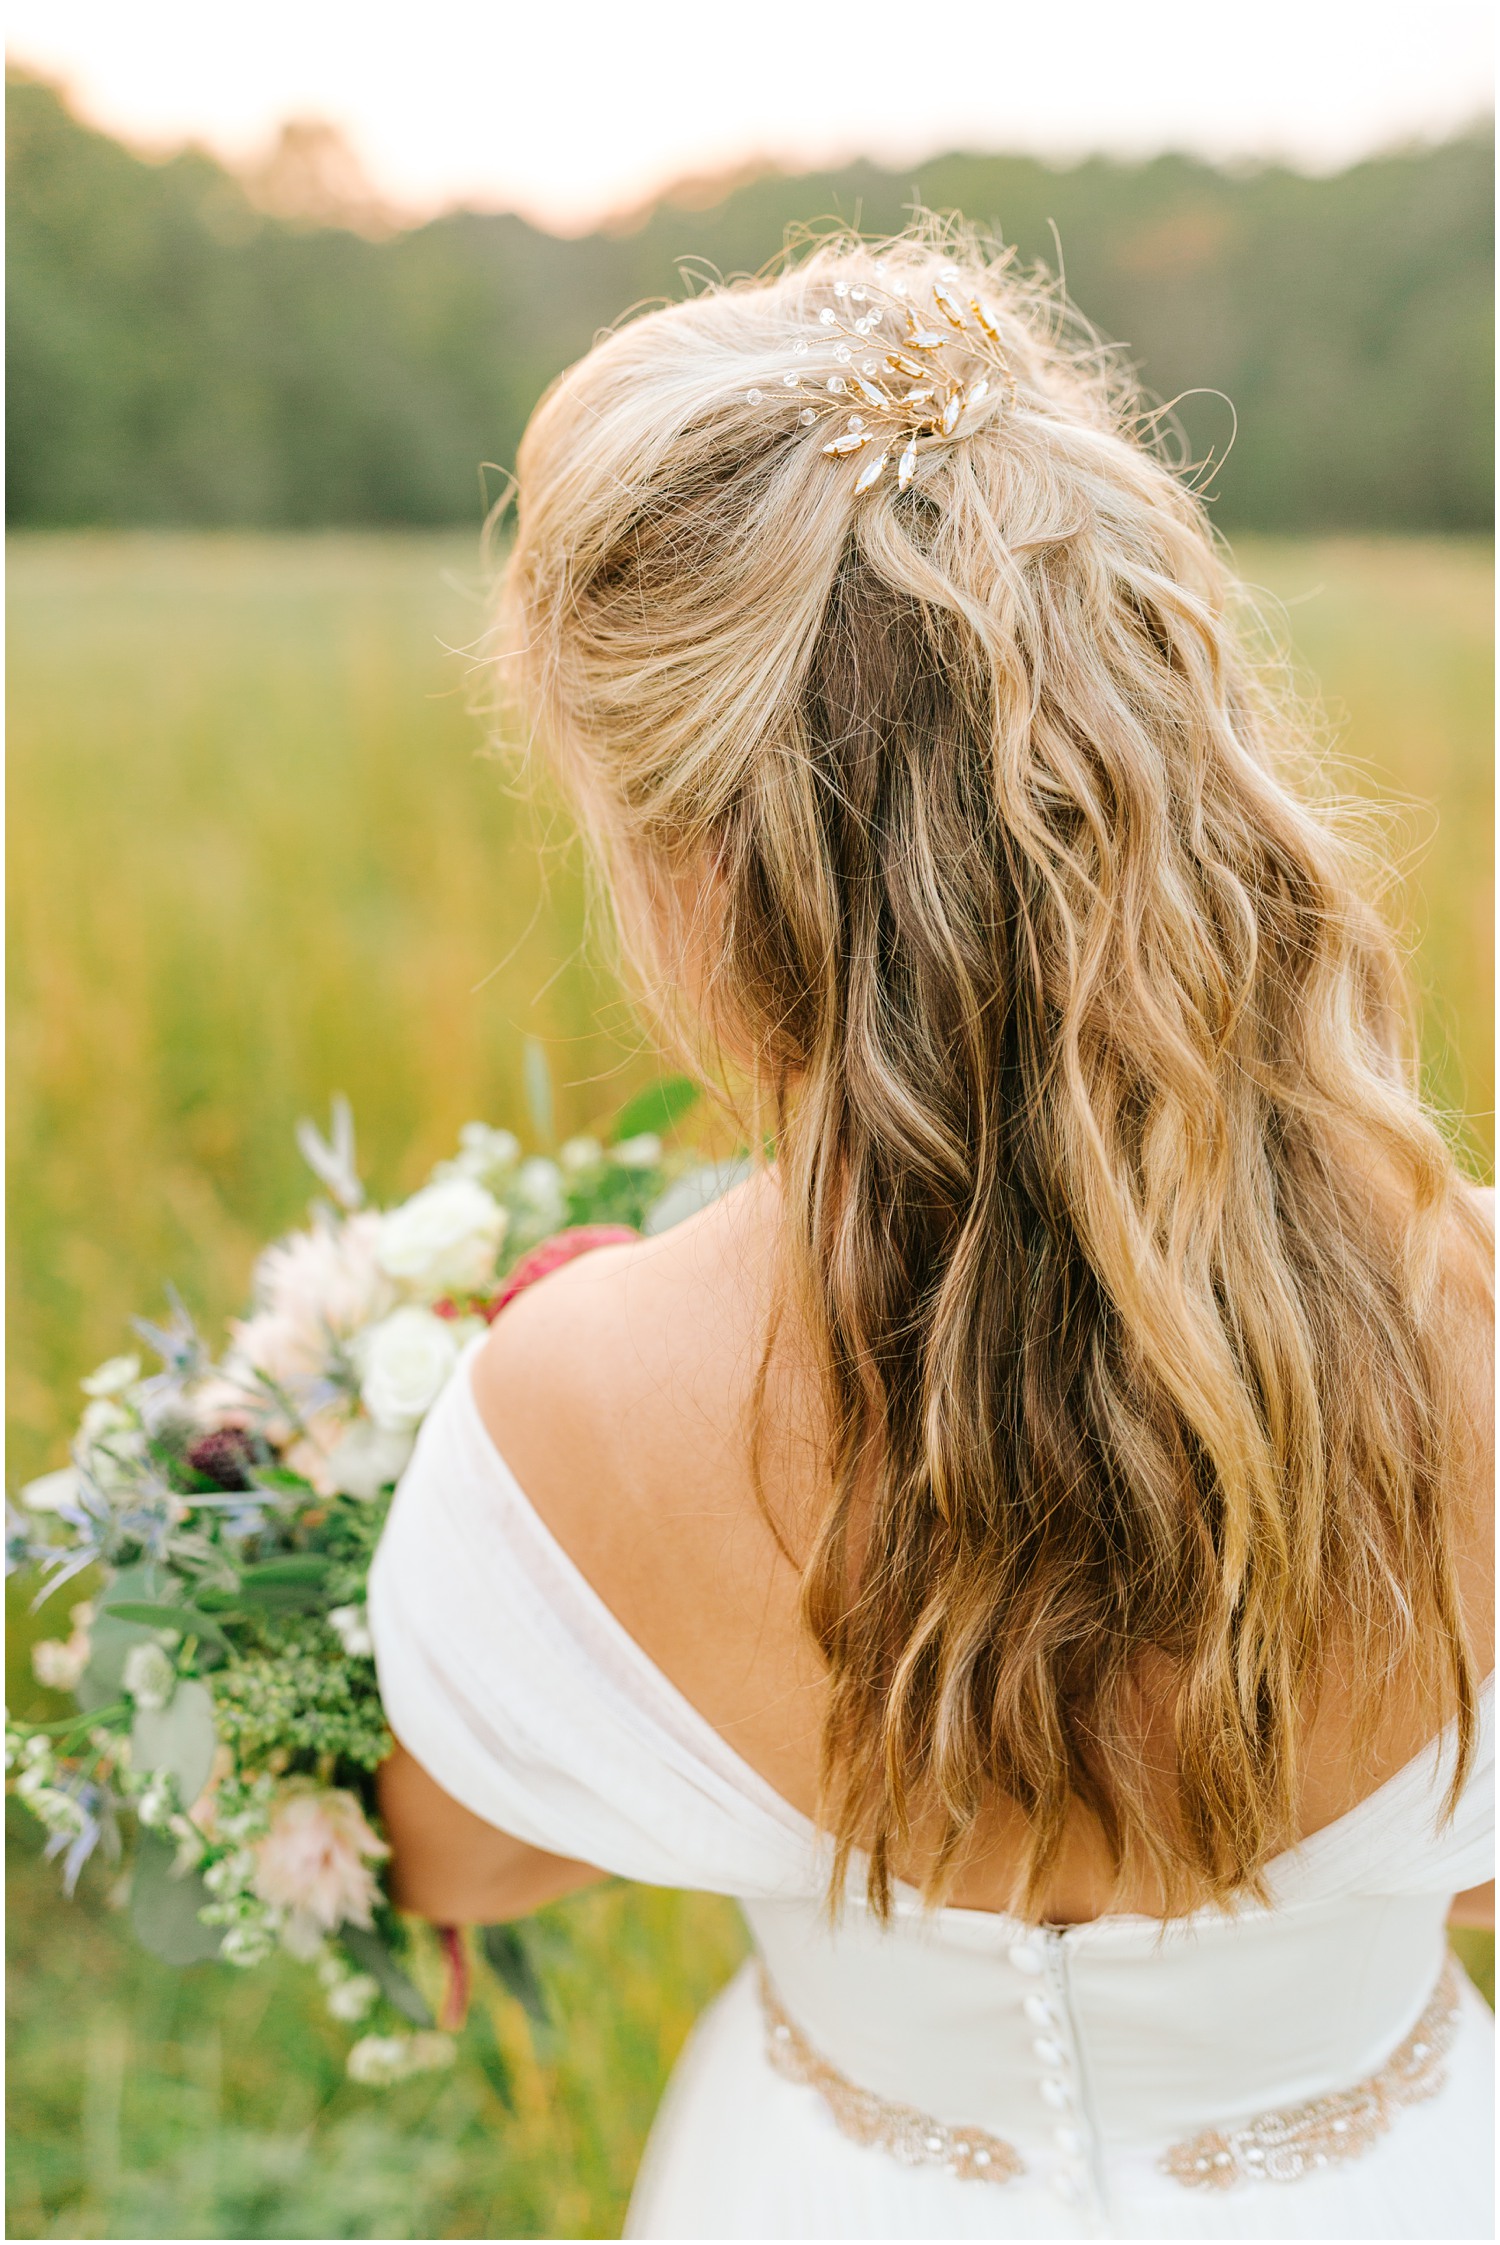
x=404, y=1363
x=445, y=1239
x=580, y=1154
x=366, y=1457
x=113, y=1377
x=51, y=1491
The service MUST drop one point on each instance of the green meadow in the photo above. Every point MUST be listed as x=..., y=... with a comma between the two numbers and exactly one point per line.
x=257, y=857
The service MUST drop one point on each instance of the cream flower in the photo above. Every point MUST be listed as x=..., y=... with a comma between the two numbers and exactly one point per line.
x=313, y=1290
x=352, y=1630
x=51, y=1491
x=445, y=1239
x=205, y=1810
x=350, y=1999
x=59, y=1662
x=113, y=1376
x=216, y=1401
x=111, y=1445
x=404, y=1363
x=539, y=1188
x=314, y=1449
x=377, y=2060
x=149, y=1678
x=315, y=1861
x=641, y=1152
x=366, y=1457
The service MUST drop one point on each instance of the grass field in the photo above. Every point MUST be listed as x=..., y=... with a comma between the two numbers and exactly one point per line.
x=255, y=859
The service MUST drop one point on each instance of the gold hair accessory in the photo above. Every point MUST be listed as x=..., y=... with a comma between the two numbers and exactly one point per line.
x=907, y=377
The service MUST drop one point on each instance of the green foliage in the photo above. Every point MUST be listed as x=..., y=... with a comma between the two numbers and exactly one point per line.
x=372, y=1954
x=177, y=356
x=656, y=1108
x=151, y=2102
x=293, y=1692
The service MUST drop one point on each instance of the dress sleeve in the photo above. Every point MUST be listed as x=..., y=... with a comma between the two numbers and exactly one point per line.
x=518, y=1690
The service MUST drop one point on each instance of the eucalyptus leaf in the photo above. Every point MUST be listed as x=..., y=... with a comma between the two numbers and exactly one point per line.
x=291, y=1584
x=506, y=1953
x=370, y=1953
x=295, y=1566
x=189, y=1621
x=164, y=1909
x=178, y=1738
x=112, y=1636
x=281, y=1597
x=655, y=1109
x=537, y=1072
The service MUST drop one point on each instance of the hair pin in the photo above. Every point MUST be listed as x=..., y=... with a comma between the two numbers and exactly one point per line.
x=912, y=390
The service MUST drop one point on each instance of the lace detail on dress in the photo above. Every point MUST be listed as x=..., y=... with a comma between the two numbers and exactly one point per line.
x=913, y=2137
x=1280, y=2147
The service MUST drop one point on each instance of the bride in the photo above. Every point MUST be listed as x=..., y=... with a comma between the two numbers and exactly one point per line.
x=1029, y=1541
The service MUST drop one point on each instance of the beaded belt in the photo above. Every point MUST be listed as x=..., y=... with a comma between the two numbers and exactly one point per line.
x=1280, y=2147
x=1275, y=2147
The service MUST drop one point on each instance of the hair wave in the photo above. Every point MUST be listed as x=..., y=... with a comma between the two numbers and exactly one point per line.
x=1113, y=1203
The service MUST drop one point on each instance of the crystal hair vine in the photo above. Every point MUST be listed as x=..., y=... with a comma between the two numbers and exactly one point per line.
x=914, y=384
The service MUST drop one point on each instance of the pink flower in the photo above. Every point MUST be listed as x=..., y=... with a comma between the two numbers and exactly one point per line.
x=313, y=1290
x=313, y=1862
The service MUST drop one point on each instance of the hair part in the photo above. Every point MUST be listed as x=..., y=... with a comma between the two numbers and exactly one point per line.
x=1114, y=1207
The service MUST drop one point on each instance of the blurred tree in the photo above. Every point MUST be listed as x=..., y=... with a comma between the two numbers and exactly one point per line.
x=189, y=347
x=312, y=177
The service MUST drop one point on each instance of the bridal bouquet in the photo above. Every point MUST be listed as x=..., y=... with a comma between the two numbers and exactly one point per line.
x=228, y=1721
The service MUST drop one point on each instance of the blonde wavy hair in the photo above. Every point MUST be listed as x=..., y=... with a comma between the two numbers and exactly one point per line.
x=1114, y=1210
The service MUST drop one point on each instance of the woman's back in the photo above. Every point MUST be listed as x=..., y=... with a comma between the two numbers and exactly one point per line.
x=625, y=1396
x=624, y=1679
x=1032, y=1532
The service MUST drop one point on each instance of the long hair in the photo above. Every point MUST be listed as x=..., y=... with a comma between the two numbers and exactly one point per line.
x=1114, y=1211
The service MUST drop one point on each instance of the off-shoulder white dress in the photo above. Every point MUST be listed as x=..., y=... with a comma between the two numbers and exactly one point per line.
x=1318, y=2068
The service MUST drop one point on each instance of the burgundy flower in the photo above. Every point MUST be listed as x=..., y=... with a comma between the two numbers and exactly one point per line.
x=223, y=1457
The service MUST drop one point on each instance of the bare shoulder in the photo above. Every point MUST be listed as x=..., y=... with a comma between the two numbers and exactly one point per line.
x=609, y=1322
x=615, y=1386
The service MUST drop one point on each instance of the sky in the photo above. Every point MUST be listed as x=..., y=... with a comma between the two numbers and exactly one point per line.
x=568, y=113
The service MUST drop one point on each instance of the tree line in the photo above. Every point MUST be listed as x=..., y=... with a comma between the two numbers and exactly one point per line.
x=187, y=346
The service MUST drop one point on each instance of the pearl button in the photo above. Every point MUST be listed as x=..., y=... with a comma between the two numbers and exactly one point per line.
x=1066, y=2187
x=1055, y=2093
x=1039, y=2011
x=1026, y=1958
x=1051, y=2053
x=1068, y=2139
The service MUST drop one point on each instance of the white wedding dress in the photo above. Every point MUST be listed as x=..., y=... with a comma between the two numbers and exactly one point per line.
x=1316, y=2069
